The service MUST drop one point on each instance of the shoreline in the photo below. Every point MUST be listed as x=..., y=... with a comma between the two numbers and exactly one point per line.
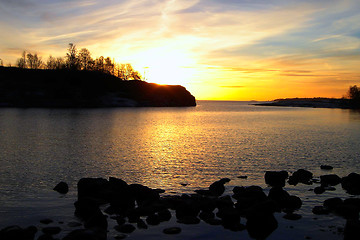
x=310, y=103
x=104, y=214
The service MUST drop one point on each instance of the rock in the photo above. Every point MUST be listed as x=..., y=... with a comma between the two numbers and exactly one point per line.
x=51, y=230
x=143, y=194
x=125, y=228
x=97, y=220
x=300, y=176
x=330, y=180
x=352, y=230
x=224, y=201
x=326, y=167
x=279, y=196
x=333, y=203
x=186, y=208
x=85, y=208
x=217, y=188
x=292, y=216
x=18, y=233
x=204, y=215
x=351, y=183
x=46, y=221
x=214, y=221
x=292, y=203
x=260, y=226
x=255, y=193
x=319, y=190
x=153, y=219
x=86, y=234
x=320, y=210
x=97, y=188
x=164, y=215
x=141, y=224
x=347, y=211
x=62, y=188
x=172, y=230
x=120, y=220
x=276, y=179
x=352, y=201
x=242, y=177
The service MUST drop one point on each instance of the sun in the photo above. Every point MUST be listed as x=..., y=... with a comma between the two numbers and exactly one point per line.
x=166, y=66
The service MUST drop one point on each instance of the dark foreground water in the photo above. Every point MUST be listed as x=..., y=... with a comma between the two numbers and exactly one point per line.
x=164, y=147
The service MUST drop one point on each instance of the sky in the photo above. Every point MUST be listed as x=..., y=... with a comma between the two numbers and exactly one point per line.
x=217, y=49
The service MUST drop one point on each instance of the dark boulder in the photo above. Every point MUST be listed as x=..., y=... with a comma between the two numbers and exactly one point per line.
x=217, y=188
x=276, y=179
x=300, y=176
x=319, y=190
x=330, y=180
x=320, y=210
x=85, y=208
x=96, y=221
x=187, y=208
x=45, y=237
x=61, y=187
x=125, y=228
x=164, y=215
x=46, y=221
x=153, y=219
x=97, y=188
x=141, y=224
x=18, y=233
x=260, y=225
x=254, y=193
x=352, y=229
x=326, y=167
x=143, y=194
x=351, y=183
x=347, y=211
x=292, y=216
x=279, y=196
x=333, y=203
x=188, y=220
x=205, y=215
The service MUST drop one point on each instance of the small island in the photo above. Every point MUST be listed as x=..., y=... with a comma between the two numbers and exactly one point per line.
x=352, y=101
x=69, y=88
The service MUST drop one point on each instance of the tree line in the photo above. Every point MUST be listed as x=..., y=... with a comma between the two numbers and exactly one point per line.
x=79, y=60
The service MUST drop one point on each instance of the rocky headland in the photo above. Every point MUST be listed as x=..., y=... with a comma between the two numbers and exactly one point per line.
x=84, y=89
x=134, y=206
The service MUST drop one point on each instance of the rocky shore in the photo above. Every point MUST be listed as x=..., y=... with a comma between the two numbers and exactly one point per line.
x=84, y=89
x=310, y=102
x=129, y=207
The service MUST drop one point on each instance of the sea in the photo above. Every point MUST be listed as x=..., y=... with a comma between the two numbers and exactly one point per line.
x=178, y=149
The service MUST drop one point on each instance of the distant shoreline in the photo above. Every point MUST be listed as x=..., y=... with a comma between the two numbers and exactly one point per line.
x=310, y=103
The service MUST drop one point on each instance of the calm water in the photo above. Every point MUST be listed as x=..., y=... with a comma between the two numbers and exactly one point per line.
x=163, y=147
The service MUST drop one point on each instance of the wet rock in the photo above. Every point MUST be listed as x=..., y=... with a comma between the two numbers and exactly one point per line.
x=224, y=201
x=332, y=203
x=276, y=179
x=86, y=234
x=120, y=220
x=97, y=188
x=330, y=180
x=320, y=210
x=97, y=220
x=279, y=196
x=187, y=208
x=242, y=177
x=153, y=219
x=125, y=228
x=347, y=211
x=46, y=221
x=164, y=215
x=260, y=225
x=172, y=230
x=319, y=190
x=214, y=221
x=62, y=187
x=255, y=193
x=217, y=188
x=352, y=230
x=204, y=215
x=143, y=194
x=292, y=203
x=141, y=224
x=18, y=233
x=351, y=183
x=51, y=230
x=133, y=216
x=292, y=216
x=326, y=167
x=352, y=201
x=300, y=176
x=85, y=208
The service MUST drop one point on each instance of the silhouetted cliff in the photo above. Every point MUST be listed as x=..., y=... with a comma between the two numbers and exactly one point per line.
x=65, y=88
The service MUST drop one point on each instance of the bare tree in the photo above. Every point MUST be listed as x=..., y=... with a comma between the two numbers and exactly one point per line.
x=1, y=63
x=72, y=57
x=33, y=61
x=21, y=62
x=51, y=63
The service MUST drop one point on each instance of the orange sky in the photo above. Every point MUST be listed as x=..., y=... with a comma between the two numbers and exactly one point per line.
x=217, y=49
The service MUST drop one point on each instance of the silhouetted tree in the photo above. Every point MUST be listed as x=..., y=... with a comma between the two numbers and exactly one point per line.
x=99, y=64
x=354, y=95
x=51, y=63
x=1, y=63
x=109, y=66
x=72, y=60
x=21, y=62
x=85, y=59
x=33, y=61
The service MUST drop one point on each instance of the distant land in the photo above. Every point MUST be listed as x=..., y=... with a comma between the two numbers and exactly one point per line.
x=311, y=102
x=84, y=89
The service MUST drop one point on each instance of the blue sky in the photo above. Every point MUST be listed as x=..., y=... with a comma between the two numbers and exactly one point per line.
x=238, y=50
